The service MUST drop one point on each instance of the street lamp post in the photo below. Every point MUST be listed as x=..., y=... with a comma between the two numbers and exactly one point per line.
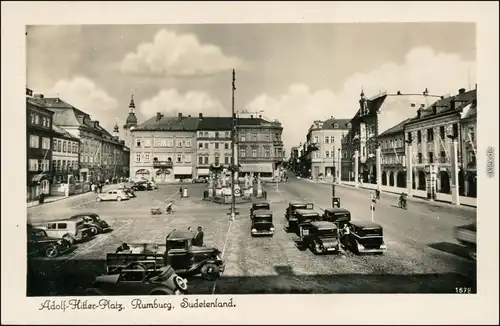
x=233, y=142
x=409, y=168
x=339, y=179
x=356, y=168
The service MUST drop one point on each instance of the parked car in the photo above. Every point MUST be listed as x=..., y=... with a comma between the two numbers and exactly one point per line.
x=178, y=252
x=92, y=221
x=71, y=231
x=137, y=278
x=117, y=195
x=259, y=206
x=339, y=216
x=301, y=216
x=293, y=206
x=128, y=191
x=320, y=236
x=200, y=180
x=40, y=244
x=141, y=187
x=262, y=223
x=365, y=237
x=467, y=236
x=152, y=184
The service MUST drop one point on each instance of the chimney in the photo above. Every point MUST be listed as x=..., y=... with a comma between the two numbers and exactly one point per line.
x=180, y=115
x=426, y=92
x=200, y=116
x=189, y=115
x=251, y=116
x=399, y=92
x=452, y=104
x=260, y=115
x=419, y=113
x=442, y=97
x=158, y=116
x=461, y=91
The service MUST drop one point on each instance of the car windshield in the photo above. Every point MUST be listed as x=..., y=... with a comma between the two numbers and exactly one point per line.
x=262, y=219
x=327, y=233
x=40, y=234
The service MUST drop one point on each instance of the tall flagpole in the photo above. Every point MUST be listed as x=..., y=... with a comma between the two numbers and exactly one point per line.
x=233, y=141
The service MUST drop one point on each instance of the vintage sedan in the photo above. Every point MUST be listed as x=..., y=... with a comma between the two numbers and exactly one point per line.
x=262, y=223
x=40, y=244
x=258, y=206
x=339, y=216
x=71, y=231
x=302, y=216
x=92, y=221
x=320, y=236
x=137, y=278
x=365, y=237
x=293, y=206
x=117, y=195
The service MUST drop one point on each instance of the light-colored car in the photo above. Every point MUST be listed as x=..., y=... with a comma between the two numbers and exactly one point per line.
x=117, y=195
x=153, y=184
x=71, y=231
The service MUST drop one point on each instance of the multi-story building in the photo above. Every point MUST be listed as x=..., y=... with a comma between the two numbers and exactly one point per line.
x=293, y=162
x=374, y=116
x=429, y=134
x=468, y=127
x=393, y=157
x=326, y=136
x=213, y=143
x=260, y=147
x=65, y=155
x=164, y=149
x=38, y=146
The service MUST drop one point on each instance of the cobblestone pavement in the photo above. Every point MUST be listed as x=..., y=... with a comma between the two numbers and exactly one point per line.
x=422, y=256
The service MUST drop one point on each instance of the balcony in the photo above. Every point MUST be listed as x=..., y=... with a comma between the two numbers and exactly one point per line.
x=162, y=164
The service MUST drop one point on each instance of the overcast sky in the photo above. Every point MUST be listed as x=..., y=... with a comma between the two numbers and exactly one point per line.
x=296, y=73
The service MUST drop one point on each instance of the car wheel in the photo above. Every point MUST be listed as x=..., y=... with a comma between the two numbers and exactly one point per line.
x=93, y=292
x=354, y=247
x=210, y=272
x=98, y=199
x=51, y=252
x=119, y=199
x=69, y=239
x=94, y=230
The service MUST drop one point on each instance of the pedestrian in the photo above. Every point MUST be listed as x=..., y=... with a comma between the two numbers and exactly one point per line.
x=168, y=209
x=122, y=248
x=198, y=237
x=180, y=191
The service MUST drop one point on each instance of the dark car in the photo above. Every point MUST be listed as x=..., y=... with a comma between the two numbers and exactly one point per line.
x=93, y=222
x=178, y=252
x=467, y=236
x=339, y=216
x=129, y=191
x=137, y=278
x=200, y=180
x=293, y=206
x=259, y=205
x=143, y=186
x=365, y=237
x=40, y=244
x=320, y=236
x=262, y=223
x=302, y=216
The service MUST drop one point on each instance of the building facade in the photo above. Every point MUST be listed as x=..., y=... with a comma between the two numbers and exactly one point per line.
x=327, y=137
x=260, y=147
x=164, y=149
x=431, y=134
x=393, y=156
x=213, y=143
x=65, y=155
x=468, y=127
x=374, y=116
x=39, y=139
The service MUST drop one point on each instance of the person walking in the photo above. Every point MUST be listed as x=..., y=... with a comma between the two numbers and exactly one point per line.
x=198, y=237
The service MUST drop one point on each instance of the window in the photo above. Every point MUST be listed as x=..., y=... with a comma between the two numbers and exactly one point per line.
x=163, y=142
x=200, y=133
x=442, y=157
x=205, y=160
x=188, y=142
x=170, y=142
x=200, y=160
x=243, y=137
x=206, y=145
x=471, y=133
x=254, y=137
x=455, y=130
x=420, y=160
x=187, y=158
x=243, y=152
x=36, y=118
x=431, y=157
x=327, y=154
x=54, y=145
x=179, y=158
x=316, y=139
x=137, y=143
x=146, y=157
x=441, y=132
x=179, y=142
x=216, y=145
x=216, y=134
x=327, y=139
x=316, y=154
x=33, y=165
x=430, y=134
x=137, y=157
x=45, y=143
x=267, y=152
x=419, y=137
x=471, y=159
x=34, y=141
x=32, y=115
x=227, y=134
x=200, y=145
x=62, y=226
x=147, y=142
x=157, y=142
x=64, y=147
x=226, y=146
x=254, y=152
x=206, y=133
x=217, y=160
x=226, y=160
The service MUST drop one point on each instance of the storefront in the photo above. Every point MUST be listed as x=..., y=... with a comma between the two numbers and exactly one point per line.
x=264, y=169
x=183, y=172
x=202, y=172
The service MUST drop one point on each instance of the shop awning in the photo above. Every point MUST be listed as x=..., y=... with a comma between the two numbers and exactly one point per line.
x=203, y=171
x=183, y=170
x=41, y=176
x=257, y=167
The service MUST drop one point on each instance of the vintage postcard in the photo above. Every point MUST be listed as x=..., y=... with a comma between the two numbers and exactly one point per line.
x=268, y=163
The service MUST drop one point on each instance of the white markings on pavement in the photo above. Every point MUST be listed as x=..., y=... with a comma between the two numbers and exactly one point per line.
x=98, y=241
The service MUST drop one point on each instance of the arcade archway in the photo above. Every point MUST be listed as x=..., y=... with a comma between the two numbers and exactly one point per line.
x=421, y=180
x=384, y=178
x=444, y=177
x=391, y=179
x=142, y=174
x=401, y=179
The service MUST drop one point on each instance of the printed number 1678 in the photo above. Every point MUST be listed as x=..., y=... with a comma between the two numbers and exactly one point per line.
x=463, y=290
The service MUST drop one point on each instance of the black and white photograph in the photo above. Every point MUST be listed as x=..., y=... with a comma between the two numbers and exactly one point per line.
x=207, y=161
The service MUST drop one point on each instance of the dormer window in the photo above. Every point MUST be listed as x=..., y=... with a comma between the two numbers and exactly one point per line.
x=336, y=126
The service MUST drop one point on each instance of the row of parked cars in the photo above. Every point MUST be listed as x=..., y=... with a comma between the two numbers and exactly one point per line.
x=52, y=239
x=322, y=232
x=126, y=192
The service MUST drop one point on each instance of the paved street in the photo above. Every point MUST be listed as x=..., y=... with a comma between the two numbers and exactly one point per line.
x=422, y=256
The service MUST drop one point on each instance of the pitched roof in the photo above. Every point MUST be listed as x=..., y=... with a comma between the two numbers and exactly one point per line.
x=396, y=129
x=169, y=124
x=215, y=123
x=62, y=133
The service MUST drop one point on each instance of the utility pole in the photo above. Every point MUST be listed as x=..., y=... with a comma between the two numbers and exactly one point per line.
x=233, y=141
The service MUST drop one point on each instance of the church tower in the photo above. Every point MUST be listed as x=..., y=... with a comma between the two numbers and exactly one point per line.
x=116, y=130
x=130, y=124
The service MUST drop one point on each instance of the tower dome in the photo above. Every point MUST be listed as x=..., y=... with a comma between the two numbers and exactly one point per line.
x=131, y=119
